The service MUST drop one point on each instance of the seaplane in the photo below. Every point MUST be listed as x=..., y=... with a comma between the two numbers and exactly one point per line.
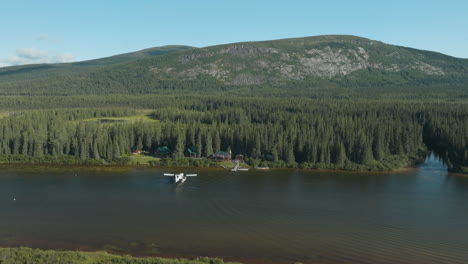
x=180, y=177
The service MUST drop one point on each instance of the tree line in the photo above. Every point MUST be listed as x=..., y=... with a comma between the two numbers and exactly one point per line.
x=279, y=133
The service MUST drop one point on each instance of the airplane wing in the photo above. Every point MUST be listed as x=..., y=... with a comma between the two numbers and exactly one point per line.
x=168, y=174
x=190, y=175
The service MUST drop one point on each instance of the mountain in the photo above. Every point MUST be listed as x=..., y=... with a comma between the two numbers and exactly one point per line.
x=327, y=57
x=325, y=61
x=43, y=72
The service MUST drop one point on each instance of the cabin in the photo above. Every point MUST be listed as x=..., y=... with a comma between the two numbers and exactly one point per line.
x=136, y=151
x=192, y=152
x=239, y=158
x=269, y=157
x=221, y=156
x=163, y=151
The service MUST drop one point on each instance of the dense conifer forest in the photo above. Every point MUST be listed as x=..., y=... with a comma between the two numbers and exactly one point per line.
x=294, y=132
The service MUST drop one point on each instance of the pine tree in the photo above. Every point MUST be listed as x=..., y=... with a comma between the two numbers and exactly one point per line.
x=208, y=145
x=199, y=145
x=378, y=148
x=139, y=145
x=38, y=151
x=217, y=142
x=274, y=153
x=256, y=150
x=341, y=155
x=290, y=155
x=116, y=150
x=180, y=146
x=367, y=156
x=95, y=150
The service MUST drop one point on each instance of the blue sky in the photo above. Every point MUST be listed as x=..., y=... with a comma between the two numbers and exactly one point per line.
x=62, y=31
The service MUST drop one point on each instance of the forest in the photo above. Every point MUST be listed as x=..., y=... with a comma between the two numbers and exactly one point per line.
x=276, y=131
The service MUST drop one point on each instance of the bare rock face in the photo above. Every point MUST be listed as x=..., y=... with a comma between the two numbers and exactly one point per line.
x=246, y=79
x=241, y=50
x=209, y=69
x=428, y=69
x=330, y=62
x=264, y=64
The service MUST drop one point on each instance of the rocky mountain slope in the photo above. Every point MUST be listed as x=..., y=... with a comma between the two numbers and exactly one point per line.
x=298, y=59
x=340, y=61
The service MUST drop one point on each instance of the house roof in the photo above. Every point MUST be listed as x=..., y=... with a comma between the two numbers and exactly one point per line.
x=221, y=153
x=192, y=149
x=163, y=150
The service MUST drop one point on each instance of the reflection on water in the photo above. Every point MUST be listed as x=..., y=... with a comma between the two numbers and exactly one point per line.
x=434, y=163
x=414, y=216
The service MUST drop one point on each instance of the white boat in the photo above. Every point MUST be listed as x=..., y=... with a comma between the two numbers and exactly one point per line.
x=180, y=177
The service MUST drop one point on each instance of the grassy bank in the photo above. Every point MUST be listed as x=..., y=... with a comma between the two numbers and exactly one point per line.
x=143, y=160
x=36, y=256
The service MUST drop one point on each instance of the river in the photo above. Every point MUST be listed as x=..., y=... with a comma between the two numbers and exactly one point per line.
x=419, y=215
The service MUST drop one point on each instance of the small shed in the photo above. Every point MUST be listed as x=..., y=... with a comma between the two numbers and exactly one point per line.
x=240, y=158
x=269, y=157
x=221, y=156
x=191, y=152
x=133, y=148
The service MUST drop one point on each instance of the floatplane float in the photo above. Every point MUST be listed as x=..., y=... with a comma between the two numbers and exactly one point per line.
x=180, y=177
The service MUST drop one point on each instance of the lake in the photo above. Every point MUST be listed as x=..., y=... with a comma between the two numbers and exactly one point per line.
x=419, y=215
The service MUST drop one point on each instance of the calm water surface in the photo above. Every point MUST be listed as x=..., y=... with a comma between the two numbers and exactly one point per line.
x=416, y=216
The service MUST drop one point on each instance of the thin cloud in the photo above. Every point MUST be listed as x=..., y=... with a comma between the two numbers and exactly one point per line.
x=35, y=56
x=31, y=53
x=42, y=37
x=62, y=58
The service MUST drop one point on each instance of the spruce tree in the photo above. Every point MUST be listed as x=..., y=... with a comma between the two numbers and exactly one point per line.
x=180, y=146
x=217, y=142
x=341, y=155
x=208, y=145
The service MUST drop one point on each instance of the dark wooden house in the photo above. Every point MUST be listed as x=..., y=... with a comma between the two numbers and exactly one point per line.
x=239, y=158
x=163, y=151
x=192, y=152
x=221, y=156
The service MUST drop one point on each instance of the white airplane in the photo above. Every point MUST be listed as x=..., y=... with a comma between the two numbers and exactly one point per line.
x=181, y=177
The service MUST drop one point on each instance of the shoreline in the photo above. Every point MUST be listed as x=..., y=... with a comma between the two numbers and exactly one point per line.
x=148, y=166
x=391, y=163
x=409, y=161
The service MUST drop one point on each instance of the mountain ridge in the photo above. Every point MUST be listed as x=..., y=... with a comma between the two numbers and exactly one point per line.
x=344, y=60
